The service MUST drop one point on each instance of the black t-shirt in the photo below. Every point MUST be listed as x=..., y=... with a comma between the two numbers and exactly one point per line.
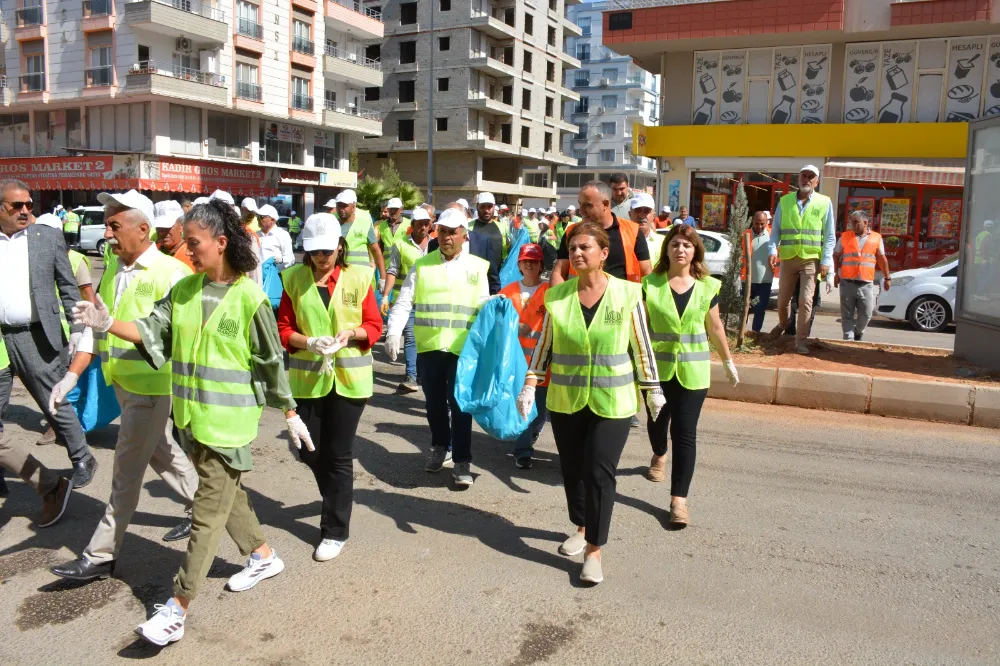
x=681, y=300
x=615, y=264
x=492, y=230
x=588, y=313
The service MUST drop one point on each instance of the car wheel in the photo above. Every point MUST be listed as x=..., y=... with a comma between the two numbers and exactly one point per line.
x=929, y=314
x=99, y=248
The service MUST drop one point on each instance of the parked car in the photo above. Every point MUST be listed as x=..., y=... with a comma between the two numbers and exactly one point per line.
x=717, y=249
x=91, y=229
x=925, y=297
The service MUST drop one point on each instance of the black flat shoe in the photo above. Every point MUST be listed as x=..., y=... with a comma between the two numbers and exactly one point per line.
x=84, y=569
x=83, y=472
x=180, y=531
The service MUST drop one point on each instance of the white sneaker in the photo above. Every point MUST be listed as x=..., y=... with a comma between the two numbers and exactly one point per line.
x=327, y=550
x=165, y=627
x=256, y=570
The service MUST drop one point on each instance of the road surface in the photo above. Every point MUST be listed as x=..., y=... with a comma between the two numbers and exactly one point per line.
x=816, y=538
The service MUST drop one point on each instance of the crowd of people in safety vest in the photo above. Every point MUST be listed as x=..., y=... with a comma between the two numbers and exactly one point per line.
x=182, y=329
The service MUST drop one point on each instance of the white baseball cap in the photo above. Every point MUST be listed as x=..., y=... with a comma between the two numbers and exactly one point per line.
x=225, y=196
x=131, y=199
x=166, y=213
x=452, y=219
x=49, y=220
x=811, y=168
x=504, y=207
x=420, y=214
x=665, y=209
x=485, y=198
x=346, y=197
x=571, y=207
x=532, y=210
x=267, y=210
x=551, y=211
x=394, y=202
x=250, y=204
x=292, y=213
x=200, y=200
x=643, y=200
x=463, y=203
x=988, y=224
x=59, y=207
x=320, y=232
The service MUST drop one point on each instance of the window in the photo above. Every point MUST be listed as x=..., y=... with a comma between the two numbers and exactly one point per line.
x=550, y=105
x=529, y=24
x=123, y=127
x=445, y=5
x=327, y=152
x=505, y=133
x=404, y=131
x=228, y=136
x=525, y=137
x=608, y=129
x=550, y=71
x=247, y=24
x=185, y=65
x=609, y=101
x=583, y=106
x=246, y=82
x=283, y=152
x=302, y=37
x=608, y=155
x=552, y=36
x=441, y=124
x=536, y=178
x=54, y=132
x=584, y=23
x=548, y=142
x=581, y=131
x=33, y=80
x=372, y=94
x=581, y=157
x=301, y=98
x=526, y=100
x=14, y=135
x=185, y=130
x=611, y=74
x=443, y=84
x=407, y=13
x=406, y=92
x=444, y=43
x=100, y=70
x=582, y=78
x=407, y=53
x=582, y=51
x=143, y=52
x=330, y=99
x=526, y=63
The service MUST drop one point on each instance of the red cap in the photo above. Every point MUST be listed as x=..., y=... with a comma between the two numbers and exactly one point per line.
x=530, y=252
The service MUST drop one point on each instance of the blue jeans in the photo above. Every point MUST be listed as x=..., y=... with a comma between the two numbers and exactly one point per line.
x=762, y=292
x=410, y=349
x=525, y=444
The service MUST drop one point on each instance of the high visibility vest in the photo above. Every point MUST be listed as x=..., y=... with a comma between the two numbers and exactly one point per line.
x=74, y=262
x=295, y=224
x=983, y=239
x=352, y=367
x=655, y=244
x=445, y=308
x=71, y=224
x=802, y=235
x=532, y=227
x=388, y=237
x=357, y=239
x=4, y=358
x=629, y=231
x=531, y=314
x=680, y=344
x=254, y=225
x=858, y=263
x=591, y=367
x=211, y=368
x=408, y=255
x=121, y=361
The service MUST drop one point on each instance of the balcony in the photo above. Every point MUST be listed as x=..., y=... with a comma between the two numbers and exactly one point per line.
x=302, y=103
x=303, y=45
x=250, y=29
x=97, y=15
x=180, y=18
x=495, y=63
x=249, y=91
x=96, y=77
x=570, y=28
x=569, y=61
x=145, y=78
x=342, y=65
x=498, y=24
x=561, y=125
x=562, y=91
x=31, y=83
x=493, y=105
x=6, y=94
x=29, y=16
x=362, y=121
x=350, y=17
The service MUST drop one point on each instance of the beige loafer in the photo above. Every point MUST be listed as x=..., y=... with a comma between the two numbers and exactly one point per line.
x=657, y=471
x=592, y=572
x=679, y=515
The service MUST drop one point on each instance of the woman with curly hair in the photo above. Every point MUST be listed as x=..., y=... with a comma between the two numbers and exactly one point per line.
x=218, y=331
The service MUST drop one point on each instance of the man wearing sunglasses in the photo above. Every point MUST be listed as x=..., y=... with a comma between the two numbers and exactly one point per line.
x=33, y=258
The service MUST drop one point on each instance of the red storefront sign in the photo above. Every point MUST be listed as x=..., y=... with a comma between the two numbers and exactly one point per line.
x=170, y=174
x=92, y=172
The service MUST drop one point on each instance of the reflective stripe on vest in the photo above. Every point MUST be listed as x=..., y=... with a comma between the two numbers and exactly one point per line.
x=680, y=343
x=591, y=366
x=445, y=308
x=629, y=231
x=123, y=364
x=214, y=393
x=859, y=263
x=802, y=235
x=352, y=367
x=357, y=238
x=531, y=314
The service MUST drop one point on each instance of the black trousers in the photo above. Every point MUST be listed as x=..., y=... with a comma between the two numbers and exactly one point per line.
x=436, y=370
x=679, y=416
x=590, y=447
x=332, y=421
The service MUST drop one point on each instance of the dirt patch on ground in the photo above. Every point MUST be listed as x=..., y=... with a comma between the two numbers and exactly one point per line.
x=865, y=358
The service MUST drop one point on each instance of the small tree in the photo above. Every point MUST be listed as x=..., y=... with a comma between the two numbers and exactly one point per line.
x=374, y=192
x=730, y=298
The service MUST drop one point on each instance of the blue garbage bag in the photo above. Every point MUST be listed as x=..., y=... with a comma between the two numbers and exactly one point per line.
x=94, y=401
x=509, y=272
x=272, y=281
x=491, y=371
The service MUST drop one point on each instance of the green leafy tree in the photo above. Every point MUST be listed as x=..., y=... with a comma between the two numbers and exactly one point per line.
x=371, y=193
x=730, y=297
x=374, y=192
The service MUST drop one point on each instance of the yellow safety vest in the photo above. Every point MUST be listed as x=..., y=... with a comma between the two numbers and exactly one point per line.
x=802, y=235
x=445, y=308
x=591, y=367
x=4, y=358
x=655, y=245
x=74, y=262
x=211, y=370
x=532, y=227
x=408, y=255
x=122, y=362
x=352, y=367
x=680, y=344
x=389, y=237
x=72, y=223
x=357, y=238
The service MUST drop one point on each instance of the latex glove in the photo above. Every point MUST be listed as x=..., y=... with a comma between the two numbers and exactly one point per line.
x=385, y=306
x=61, y=390
x=381, y=285
x=319, y=345
x=655, y=401
x=74, y=342
x=525, y=401
x=343, y=339
x=93, y=315
x=828, y=287
x=734, y=377
x=393, y=343
x=299, y=433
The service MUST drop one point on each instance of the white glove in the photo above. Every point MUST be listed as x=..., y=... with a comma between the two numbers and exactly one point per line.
x=525, y=401
x=299, y=433
x=319, y=345
x=392, y=346
x=61, y=390
x=734, y=377
x=74, y=342
x=381, y=285
x=93, y=315
x=655, y=401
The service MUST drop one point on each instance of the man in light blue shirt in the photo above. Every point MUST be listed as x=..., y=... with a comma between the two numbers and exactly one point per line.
x=801, y=269
x=684, y=218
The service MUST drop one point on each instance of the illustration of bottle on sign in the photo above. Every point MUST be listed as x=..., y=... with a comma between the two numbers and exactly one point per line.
x=782, y=113
x=892, y=112
x=703, y=114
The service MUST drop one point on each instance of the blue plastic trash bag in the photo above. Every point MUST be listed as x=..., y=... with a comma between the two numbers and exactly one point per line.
x=272, y=281
x=509, y=272
x=94, y=401
x=491, y=371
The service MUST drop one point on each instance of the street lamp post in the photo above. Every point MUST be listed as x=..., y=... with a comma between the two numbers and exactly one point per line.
x=430, y=115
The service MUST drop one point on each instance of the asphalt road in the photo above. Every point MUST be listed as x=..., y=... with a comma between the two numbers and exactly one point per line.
x=816, y=538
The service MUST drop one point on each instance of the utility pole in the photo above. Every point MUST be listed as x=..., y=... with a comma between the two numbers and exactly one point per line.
x=430, y=115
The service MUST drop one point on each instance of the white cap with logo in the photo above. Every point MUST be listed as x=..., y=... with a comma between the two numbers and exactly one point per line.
x=131, y=199
x=485, y=198
x=810, y=168
x=346, y=197
x=267, y=210
x=394, y=202
x=250, y=204
x=453, y=219
x=166, y=213
x=320, y=232
x=643, y=200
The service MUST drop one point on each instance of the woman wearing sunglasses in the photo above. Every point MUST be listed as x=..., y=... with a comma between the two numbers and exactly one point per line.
x=328, y=320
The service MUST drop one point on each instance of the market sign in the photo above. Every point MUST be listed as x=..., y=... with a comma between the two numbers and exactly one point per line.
x=92, y=172
x=324, y=178
x=171, y=174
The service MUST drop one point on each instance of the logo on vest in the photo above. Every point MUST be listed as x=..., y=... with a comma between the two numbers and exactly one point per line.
x=472, y=278
x=229, y=327
x=614, y=317
x=350, y=298
x=144, y=289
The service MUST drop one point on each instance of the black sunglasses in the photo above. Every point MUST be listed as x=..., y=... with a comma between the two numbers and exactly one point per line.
x=18, y=205
x=325, y=253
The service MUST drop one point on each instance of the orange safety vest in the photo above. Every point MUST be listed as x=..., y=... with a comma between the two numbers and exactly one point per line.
x=859, y=263
x=531, y=314
x=629, y=231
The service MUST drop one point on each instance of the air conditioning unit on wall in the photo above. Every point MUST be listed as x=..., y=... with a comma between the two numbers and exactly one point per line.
x=183, y=44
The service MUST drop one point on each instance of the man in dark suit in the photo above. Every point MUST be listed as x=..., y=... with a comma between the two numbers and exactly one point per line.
x=37, y=278
x=482, y=246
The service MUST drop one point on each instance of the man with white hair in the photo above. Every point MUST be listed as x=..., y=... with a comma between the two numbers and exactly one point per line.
x=358, y=231
x=136, y=277
x=275, y=242
x=642, y=214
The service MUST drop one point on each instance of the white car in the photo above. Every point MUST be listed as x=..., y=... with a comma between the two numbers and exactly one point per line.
x=91, y=229
x=925, y=297
x=717, y=249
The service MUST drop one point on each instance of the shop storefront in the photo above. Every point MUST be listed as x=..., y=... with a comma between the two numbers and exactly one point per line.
x=712, y=194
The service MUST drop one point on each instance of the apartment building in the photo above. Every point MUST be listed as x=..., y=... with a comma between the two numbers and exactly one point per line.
x=497, y=90
x=615, y=94
x=259, y=98
x=877, y=93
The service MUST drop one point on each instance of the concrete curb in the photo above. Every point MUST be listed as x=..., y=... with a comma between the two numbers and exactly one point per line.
x=965, y=404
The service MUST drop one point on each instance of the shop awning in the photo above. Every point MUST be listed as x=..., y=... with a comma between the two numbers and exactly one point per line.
x=913, y=172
